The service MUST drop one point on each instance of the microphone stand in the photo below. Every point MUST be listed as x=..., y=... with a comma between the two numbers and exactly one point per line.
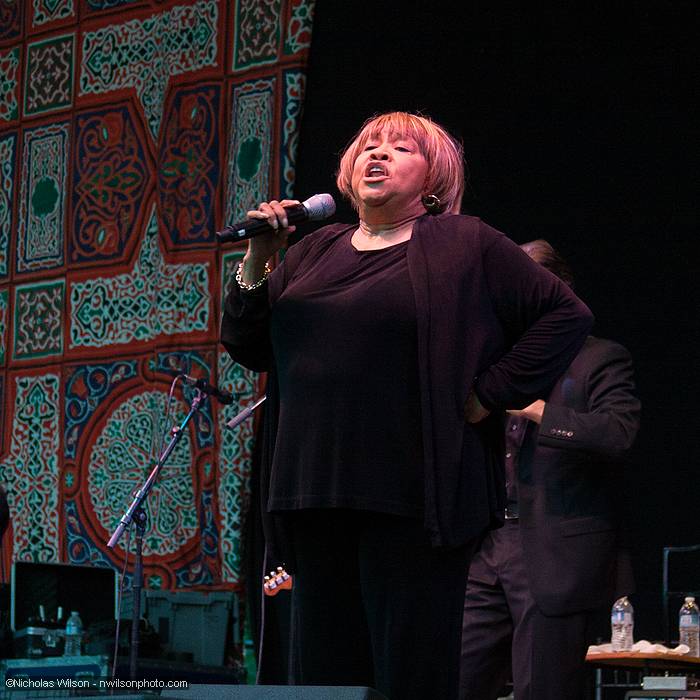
x=136, y=513
x=140, y=520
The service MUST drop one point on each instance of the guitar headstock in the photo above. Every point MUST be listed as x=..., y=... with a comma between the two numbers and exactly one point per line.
x=277, y=581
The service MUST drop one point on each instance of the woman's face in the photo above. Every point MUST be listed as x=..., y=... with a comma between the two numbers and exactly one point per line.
x=390, y=173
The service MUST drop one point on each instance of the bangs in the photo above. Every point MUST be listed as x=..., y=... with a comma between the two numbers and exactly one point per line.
x=399, y=125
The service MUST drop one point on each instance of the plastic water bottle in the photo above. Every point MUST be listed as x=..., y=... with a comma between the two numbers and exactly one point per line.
x=74, y=635
x=689, y=626
x=622, y=623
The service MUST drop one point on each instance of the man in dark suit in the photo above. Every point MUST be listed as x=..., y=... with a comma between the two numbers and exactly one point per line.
x=537, y=583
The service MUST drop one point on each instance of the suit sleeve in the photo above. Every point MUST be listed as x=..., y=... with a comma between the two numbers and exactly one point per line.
x=609, y=425
x=546, y=324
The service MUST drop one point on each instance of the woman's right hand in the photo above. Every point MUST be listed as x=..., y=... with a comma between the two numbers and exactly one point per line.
x=261, y=248
x=474, y=412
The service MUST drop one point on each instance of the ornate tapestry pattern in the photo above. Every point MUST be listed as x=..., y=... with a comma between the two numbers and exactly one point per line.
x=10, y=19
x=48, y=77
x=121, y=458
x=294, y=84
x=191, y=362
x=257, y=32
x=31, y=470
x=250, y=153
x=234, y=480
x=38, y=320
x=9, y=64
x=130, y=131
x=44, y=11
x=298, y=35
x=43, y=198
x=86, y=387
x=111, y=173
x=4, y=295
x=7, y=188
x=143, y=55
x=151, y=300
x=190, y=165
x=94, y=6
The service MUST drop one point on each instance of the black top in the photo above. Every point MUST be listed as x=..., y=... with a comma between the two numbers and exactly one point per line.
x=488, y=320
x=344, y=333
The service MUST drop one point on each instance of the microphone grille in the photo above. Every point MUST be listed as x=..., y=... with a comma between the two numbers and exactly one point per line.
x=319, y=206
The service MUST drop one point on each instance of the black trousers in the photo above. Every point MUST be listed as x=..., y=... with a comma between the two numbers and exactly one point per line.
x=504, y=630
x=375, y=605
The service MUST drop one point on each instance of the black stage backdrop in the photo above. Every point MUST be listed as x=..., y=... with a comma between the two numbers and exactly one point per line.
x=580, y=127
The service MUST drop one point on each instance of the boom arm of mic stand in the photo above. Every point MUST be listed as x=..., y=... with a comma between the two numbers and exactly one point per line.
x=135, y=512
x=143, y=492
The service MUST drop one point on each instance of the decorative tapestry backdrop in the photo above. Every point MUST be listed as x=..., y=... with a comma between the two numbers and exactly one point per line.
x=130, y=130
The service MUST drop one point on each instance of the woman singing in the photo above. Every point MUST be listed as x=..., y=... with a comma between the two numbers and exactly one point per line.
x=393, y=345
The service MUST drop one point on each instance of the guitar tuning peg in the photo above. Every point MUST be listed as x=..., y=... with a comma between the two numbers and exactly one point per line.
x=277, y=581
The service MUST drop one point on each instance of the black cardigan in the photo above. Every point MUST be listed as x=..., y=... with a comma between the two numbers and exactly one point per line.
x=489, y=320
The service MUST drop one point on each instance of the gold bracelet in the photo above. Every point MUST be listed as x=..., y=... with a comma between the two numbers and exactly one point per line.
x=249, y=287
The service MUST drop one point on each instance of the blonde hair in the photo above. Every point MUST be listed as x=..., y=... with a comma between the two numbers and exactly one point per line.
x=443, y=153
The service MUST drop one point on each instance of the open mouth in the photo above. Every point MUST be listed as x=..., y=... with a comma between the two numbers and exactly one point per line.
x=375, y=170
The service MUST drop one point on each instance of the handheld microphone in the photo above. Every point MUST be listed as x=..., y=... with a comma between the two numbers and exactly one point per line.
x=315, y=208
x=221, y=396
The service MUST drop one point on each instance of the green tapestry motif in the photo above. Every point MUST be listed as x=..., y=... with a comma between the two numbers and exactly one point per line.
x=155, y=299
x=45, y=11
x=4, y=295
x=48, y=78
x=298, y=35
x=257, y=32
x=122, y=457
x=144, y=55
x=234, y=482
x=31, y=468
x=40, y=243
x=130, y=131
x=38, y=320
x=9, y=63
x=7, y=188
x=251, y=147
